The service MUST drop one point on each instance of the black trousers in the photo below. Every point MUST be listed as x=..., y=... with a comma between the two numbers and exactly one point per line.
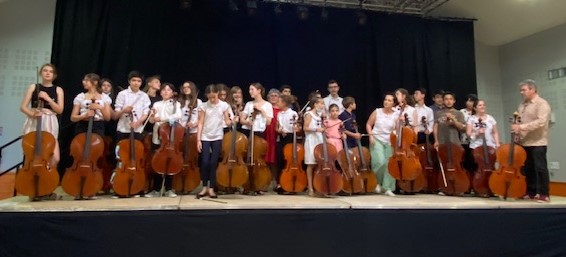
x=421, y=138
x=536, y=170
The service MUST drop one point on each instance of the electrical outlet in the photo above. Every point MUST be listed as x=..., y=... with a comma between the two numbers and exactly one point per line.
x=554, y=165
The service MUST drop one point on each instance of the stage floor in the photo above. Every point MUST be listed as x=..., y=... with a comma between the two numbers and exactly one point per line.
x=271, y=201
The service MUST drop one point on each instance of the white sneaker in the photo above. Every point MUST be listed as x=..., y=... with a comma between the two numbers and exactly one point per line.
x=152, y=194
x=170, y=193
x=389, y=193
x=378, y=189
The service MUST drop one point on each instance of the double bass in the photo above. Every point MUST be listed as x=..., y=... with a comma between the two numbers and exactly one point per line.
x=353, y=181
x=189, y=177
x=485, y=158
x=363, y=155
x=327, y=179
x=508, y=181
x=232, y=171
x=84, y=178
x=130, y=177
x=293, y=178
x=403, y=164
x=36, y=178
x=450, y=156
x=259, y=175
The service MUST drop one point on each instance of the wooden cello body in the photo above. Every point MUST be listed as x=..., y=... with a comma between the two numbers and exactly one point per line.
x=362, y=154
x=327, y=179
x=189, y=177
x=353, y=181
x=232, y=170
x=485, y=158
x=293, y=178
x=427, y=157
x=168, y=159
x=84, y=178
x=404, y=165
x=259, y=174
x=508, y=181
x=130, y=177
x=450, y=155
x=36, y=178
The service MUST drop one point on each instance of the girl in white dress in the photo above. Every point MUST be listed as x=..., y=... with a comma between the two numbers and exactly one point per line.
x=488, y=128
x=313, y=136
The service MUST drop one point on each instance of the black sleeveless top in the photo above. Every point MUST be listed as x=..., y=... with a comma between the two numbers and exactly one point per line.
x=51, y=91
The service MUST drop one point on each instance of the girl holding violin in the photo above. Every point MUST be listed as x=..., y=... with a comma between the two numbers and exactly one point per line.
x=313, y=136
x=382, y=123
x=188, y=98
x=212, y=115
x=53, y=103
x=166, y=110
x=263, y=111
x=333, y=125
x=286, y=124
x=92, y=103
x=405, y=104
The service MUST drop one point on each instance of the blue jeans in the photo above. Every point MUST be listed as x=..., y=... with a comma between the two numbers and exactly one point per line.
x=209, y=161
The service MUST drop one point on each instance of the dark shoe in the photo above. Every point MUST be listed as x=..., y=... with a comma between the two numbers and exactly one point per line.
x=199, y=196
x=213, y=196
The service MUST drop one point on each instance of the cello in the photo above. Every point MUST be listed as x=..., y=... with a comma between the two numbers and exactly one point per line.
x=450, y=156
x=508, y=181
x=84, y=178
x=427, y=155
x=293, y=178
x=189, y=177
x=130, y=177
x=259, y=174
x=403, y=164
x=36, y=178
x=168, y=159
x=232, y=171
x=353, y=181
x=362, y=153
x=485, y=158
x=326, y=179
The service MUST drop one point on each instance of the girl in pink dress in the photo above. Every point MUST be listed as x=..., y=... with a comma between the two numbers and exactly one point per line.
x=332, y=124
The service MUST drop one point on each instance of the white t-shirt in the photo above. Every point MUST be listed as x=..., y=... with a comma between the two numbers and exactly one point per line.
x=476, y=140
x=384, y=125
x=424, y=111
x=329, y=100
x=212, y=129
x=165, y=110
x=410, y=111
x=284, y=119
x=139, y=101
x=467, y=114
x=84, y=104
x=193, y=114
x=260, y=122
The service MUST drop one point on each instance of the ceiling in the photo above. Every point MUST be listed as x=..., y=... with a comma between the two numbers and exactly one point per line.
x=503, y=21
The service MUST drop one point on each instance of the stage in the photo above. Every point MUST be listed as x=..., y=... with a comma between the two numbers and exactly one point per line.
x=283, y=225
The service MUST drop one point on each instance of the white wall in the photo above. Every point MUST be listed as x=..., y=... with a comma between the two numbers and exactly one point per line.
x=26, y=35
x=532, y=57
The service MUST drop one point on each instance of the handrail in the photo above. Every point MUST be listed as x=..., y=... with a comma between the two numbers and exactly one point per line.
x=8, y=144
x=11, y=168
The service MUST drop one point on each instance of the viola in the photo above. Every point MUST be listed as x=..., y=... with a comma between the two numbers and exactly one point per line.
x=189, y=177
x=485, y=158
x=84, y=178
x=294, y=178
x=362, y=154
x=232, y=171
x=508, y=181
x=36, y=178
x=403, y=164
x=457, y=181
x=353, y=181
x=327, y=179
x=130, y=177
x=259, y=174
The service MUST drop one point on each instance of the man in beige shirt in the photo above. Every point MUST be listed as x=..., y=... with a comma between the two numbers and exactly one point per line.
x=533, y=131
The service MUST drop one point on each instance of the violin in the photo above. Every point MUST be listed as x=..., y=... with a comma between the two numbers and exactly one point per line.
x=294, y=178
x=403, y=164
x=232, y=171
x=326, y=179
x=454, y=180
x=259, y=174
x=36, y=178
x=84, y=178
x=363, y=155
x=353, y=182
x=485, y=158
x=130, y=177
x=508, y=181
x=189, y=177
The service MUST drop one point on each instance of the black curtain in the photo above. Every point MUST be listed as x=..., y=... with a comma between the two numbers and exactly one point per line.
x=210, y=43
